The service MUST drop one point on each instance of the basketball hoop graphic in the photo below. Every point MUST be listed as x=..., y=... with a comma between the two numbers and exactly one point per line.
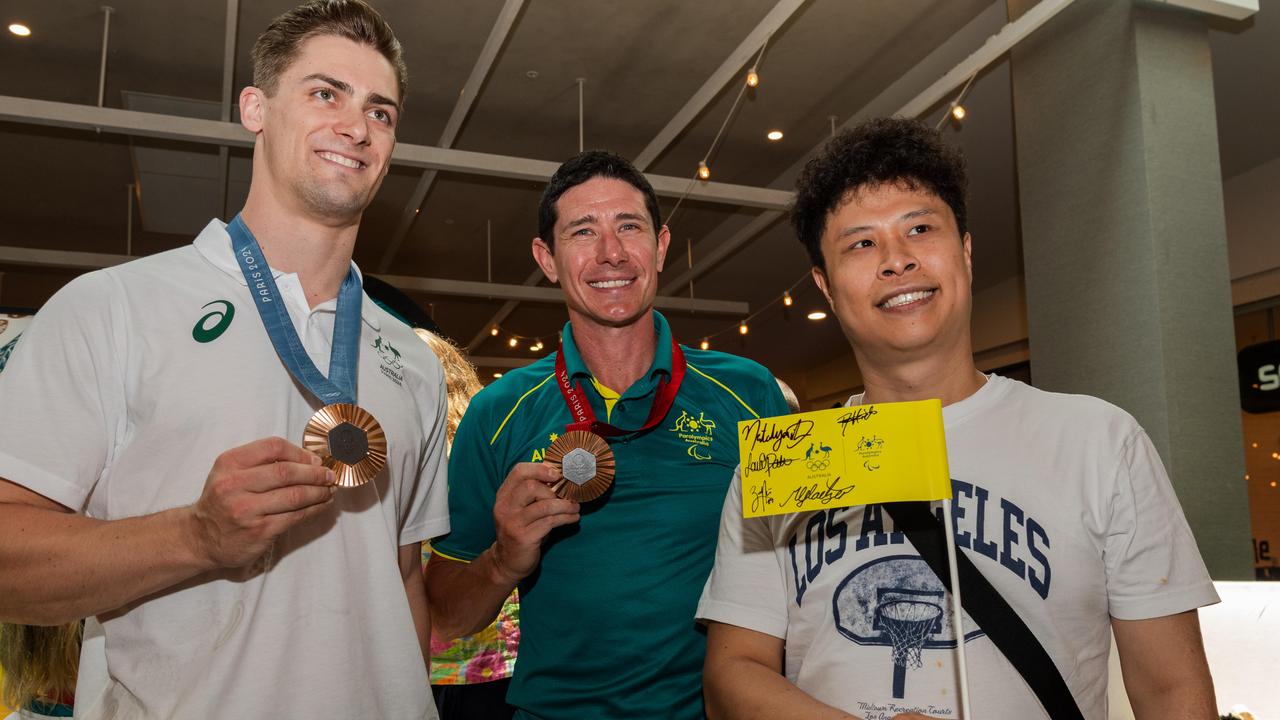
x=897, y=602
x=908, y=623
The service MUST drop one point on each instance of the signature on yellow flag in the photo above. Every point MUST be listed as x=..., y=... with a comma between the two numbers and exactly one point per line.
x=843, y=456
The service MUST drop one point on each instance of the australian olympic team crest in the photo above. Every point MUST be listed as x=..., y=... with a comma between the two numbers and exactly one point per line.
x=697, y=432
x=391, y=362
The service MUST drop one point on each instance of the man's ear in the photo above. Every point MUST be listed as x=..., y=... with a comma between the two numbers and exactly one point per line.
x=545, y=258
x=664, y=241
x=968, y=255
x=251, y=108
x=820, y=279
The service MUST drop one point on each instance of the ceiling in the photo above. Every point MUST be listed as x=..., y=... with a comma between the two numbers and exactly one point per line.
x=642, y=62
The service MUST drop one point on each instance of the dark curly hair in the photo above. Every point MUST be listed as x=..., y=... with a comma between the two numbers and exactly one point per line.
x=878, y=151
x=581, y=168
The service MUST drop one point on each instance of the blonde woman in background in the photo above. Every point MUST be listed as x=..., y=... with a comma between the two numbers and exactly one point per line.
x=469, y=676
x=40, y=666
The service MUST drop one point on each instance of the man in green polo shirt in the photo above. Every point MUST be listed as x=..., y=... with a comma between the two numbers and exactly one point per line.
x=608, y=588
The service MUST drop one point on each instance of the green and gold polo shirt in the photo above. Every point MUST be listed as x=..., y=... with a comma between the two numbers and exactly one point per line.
x=607, y=626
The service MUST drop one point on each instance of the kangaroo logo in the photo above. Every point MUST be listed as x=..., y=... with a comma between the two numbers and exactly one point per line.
x=820, y=460
x=389, y=354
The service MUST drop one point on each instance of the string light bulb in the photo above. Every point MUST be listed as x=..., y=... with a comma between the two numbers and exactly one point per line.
x=705, y=345
x=513, y=342
x=704, y=171
x=786, y=299
x=753, y=77
x=743, y=329
x=957, y=111
x=494, y=331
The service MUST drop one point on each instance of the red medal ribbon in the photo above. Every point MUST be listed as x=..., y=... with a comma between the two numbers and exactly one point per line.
x=584, y=418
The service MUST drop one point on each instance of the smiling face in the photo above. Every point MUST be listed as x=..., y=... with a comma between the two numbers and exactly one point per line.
x=898, y=274
x=607, y=253
x=325, y=137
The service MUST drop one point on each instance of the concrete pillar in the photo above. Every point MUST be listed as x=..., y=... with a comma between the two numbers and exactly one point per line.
x=1124, y=243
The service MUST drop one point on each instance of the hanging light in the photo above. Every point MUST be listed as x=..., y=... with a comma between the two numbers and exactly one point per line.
x=704, y=172
x=786, y=299
x=493, y=331
x=817, y=315
x=753, y=77
x=742, y=328
x=513, y=342
x=957, y=111
x=705, y=345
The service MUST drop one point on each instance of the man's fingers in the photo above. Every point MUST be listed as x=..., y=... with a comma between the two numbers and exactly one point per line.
x=268, y=450
x=265, y=478
x=546, y=508
x=292, y=498
x=280, y=523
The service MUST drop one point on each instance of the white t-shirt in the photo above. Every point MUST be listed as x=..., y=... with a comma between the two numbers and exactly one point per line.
x=1060, y=501
x=123, y=391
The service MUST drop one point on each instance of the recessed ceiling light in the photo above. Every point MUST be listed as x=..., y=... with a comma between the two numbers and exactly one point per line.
x=817, y=315
x=19, y=29
x=774, y=135
x=531, y=74
x=497, y=375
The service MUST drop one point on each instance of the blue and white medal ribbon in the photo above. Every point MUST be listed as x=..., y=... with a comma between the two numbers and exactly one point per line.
x=347, y=438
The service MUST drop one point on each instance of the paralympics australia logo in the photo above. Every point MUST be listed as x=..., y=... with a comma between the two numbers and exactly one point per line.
x=697, y=432
x=391, y=362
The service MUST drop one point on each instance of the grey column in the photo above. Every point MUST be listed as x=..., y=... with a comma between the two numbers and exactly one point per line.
x=1124, y=243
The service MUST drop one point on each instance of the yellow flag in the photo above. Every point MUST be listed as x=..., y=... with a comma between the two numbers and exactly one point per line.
x=843, y=456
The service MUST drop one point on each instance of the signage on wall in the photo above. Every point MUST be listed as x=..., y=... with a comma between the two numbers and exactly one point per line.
x=1260, y=377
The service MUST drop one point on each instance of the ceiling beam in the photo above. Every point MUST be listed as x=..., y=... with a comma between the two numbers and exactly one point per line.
x=470, y=93
x=507, y=308
x=439, y=286
x=213, y=132
x=728, y=70
x=989, y=52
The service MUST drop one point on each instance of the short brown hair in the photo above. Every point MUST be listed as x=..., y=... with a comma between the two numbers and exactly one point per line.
x=354, y=20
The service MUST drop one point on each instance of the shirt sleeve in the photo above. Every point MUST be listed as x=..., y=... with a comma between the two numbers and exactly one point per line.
x=474, y=478
x=1153, y=566
x=62, y=396
x=426, y=512
x=747, y=587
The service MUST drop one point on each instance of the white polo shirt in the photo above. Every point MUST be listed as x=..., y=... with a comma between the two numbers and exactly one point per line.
x=123, y=391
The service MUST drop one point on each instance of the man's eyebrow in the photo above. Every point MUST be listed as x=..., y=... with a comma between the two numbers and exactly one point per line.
x=378, y=99
x=344, y=87
x=335, y=82
x=633, y=216
x=584, y=220
x=922, y=212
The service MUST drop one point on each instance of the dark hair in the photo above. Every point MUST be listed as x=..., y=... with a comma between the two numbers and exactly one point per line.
x=277, y=46
x=581, y=168
x=876, y=152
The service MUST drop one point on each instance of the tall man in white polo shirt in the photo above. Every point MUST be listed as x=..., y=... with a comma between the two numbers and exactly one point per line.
x=152, y=473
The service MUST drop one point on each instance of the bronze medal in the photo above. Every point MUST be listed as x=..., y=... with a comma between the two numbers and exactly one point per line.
x=349, y=441
x=585, y=463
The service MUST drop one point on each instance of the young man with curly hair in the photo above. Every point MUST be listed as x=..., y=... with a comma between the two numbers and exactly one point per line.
x=1060, y=501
